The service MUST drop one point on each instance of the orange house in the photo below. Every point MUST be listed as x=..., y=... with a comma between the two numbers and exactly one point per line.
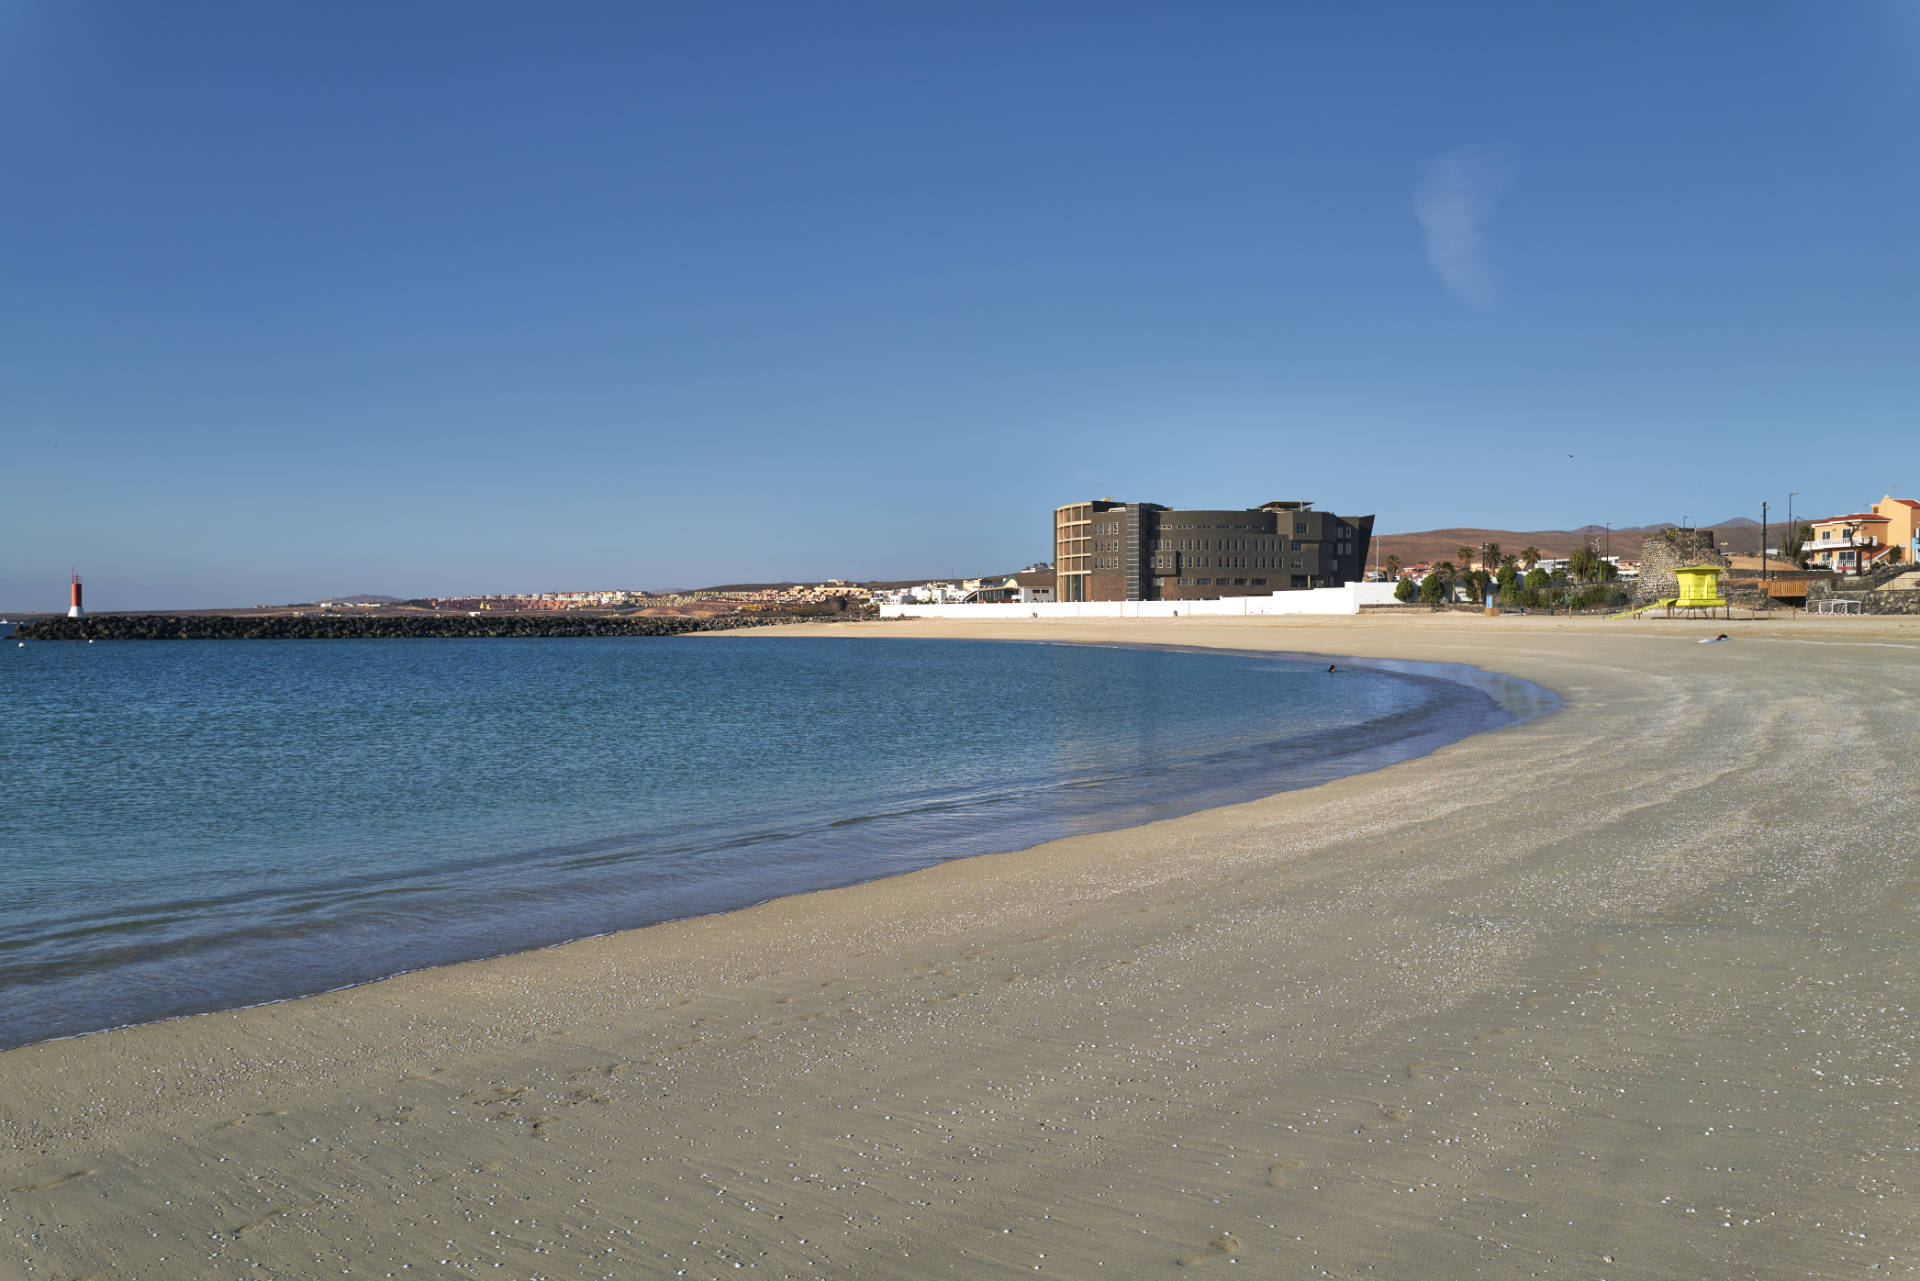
x=1849, y=544
x=1903, y=526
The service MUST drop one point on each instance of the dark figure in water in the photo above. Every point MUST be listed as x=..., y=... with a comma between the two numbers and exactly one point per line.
x=1332, y=668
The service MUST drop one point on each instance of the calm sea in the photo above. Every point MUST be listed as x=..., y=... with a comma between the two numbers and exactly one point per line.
x=196, y=825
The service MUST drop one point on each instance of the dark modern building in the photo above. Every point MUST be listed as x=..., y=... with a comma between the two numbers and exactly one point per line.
x=1108, y=550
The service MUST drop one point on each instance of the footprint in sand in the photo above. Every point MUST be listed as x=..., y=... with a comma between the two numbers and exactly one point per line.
x=589, y=1096
x=1221, y=1247
x=499, y=1095
x=1420, y=1070
x=1388, y=1116
x=271, y=1215
x=1277, y=1173
x=54, y=1183
x=251, y=1116
x=606, y=1069
x=1499, y=1031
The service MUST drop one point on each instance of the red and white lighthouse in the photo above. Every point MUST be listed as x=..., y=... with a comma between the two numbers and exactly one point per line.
x=74, y=610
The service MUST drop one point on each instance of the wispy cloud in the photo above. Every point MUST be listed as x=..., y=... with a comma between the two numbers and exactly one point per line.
x=1459, y=195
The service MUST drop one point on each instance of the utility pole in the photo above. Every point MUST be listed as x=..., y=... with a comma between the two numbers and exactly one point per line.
x=1763, y=554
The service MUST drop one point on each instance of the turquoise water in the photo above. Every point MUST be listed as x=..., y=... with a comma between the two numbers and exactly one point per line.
x=195, y=825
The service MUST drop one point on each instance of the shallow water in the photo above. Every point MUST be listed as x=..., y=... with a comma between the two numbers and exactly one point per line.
x=187, y=826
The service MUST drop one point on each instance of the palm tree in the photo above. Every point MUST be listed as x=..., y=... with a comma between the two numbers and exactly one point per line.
x=1466, y=557
x=1490, y=555
x=1392, y=563
x=1584, y=563
x=1529, y=556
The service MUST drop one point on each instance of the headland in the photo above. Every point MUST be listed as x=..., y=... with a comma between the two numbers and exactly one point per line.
x=1621, y=992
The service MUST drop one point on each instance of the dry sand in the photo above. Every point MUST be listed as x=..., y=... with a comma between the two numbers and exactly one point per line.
x=1624, y=992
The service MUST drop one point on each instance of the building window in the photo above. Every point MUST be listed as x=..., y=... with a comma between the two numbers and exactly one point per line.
x=1259, y=582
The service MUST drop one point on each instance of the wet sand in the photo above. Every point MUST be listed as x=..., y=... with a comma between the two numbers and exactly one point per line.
x=1624, y=992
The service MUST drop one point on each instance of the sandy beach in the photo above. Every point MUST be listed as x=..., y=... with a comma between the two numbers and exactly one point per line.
x=1622, y=992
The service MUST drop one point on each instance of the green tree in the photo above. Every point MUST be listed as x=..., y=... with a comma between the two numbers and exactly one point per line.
x=1537, y=580
x=1466, y=557
x=1529, y=556
x=1490, y=555
x=1508, y=576
x=1406, y=590
x=1584, y=563
x=1433, y=588
x=1392, y=563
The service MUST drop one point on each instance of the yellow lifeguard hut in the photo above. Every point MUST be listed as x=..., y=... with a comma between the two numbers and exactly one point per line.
x=1699, y=589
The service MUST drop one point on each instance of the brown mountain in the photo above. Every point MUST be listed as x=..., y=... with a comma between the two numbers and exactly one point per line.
x=1426, y=546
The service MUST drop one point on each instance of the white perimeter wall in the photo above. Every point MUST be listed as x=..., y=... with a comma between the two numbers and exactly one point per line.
x=1315, y=600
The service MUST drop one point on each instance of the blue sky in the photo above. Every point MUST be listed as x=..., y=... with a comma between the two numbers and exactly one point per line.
x=314, y=299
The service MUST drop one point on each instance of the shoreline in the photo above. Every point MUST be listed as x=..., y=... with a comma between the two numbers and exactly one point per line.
x=1452, y=701
x=1584, y=964
x=1455, y=702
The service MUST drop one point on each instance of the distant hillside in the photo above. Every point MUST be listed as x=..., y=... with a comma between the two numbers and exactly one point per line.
x=1740, y=534
x=362, y=599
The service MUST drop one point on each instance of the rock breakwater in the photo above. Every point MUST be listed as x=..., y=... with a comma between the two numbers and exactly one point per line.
x=378, y=627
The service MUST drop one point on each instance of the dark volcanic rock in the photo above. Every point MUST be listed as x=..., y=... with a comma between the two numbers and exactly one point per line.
x=352, y=627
